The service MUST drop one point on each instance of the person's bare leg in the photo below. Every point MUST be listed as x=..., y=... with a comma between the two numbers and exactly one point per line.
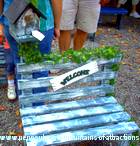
x=134, y=12
x=10, y=77
x=133, y=8
x=119, y=5
x=79, y=39
x=64, y=40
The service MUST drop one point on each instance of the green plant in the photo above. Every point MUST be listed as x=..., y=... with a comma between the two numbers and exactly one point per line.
x=137, y=137
x=115, y=67
x=31, y=54
x=110, y=94
x=112, y=81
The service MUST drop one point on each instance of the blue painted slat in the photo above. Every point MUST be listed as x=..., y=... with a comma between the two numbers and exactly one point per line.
x=74, y=124
x=23, y=68
x=70, y=114
x=45, y=82
x=83, y=134
x=67, y=94
x=56, y=107
x=27, y=91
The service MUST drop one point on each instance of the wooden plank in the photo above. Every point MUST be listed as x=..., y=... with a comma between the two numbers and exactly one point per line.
x=74, y=124
x=1, y=53
x=23, y=68
x=45, y=82
x=56, y=107
x=85, y=134
x=3, y=80
x=101, y=90
x=2, y=62
x=71, y=114
x=26, y=92
x=2, y=57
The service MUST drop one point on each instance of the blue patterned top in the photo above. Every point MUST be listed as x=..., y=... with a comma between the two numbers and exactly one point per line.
x=44, y=6
x=6, y=5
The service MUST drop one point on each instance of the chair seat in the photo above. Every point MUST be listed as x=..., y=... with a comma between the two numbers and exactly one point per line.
x=64, y=122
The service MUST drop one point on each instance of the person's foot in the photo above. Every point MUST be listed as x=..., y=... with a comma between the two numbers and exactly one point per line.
x=135, y=15
x=11, y=93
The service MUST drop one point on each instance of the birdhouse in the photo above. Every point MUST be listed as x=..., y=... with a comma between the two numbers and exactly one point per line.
x=24, y=17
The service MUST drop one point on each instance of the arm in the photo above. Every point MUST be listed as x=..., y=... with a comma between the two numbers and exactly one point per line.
x=1, y=11
x=57, y=11
x=1, y=7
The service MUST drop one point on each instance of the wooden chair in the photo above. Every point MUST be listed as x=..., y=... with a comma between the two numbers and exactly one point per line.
x=82, y=110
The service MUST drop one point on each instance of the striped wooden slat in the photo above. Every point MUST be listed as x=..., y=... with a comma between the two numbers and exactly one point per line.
x=45, y=82
x=56, y=107
x=27, y=91
x=66, y=94
x=2, y=56
x=23, y=68
x=84, y=134
x=70, y=114
x=1, y=53
x=3, y=80
x=2, y=62
x=74, y=124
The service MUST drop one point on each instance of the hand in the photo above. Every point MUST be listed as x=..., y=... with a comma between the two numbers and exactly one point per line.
x=56, y=33
x=1, y=30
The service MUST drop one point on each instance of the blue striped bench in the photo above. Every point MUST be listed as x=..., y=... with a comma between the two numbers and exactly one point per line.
x=114, y=11
x=2, y=67
x=81, y=110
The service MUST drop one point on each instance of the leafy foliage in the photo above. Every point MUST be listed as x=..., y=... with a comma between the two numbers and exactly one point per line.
x=112, y=81
x=31, y=54
x=137, y=136
x=115, y=67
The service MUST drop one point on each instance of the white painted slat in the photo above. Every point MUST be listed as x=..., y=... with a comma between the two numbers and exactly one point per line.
x=56, y=107
x=66, y=94
x=23, y=68
x=74, y=124
x=45, y=82
x=70, y=114
x=80, y=135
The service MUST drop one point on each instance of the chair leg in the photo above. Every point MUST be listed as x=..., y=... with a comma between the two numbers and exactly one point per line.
x=118, y=21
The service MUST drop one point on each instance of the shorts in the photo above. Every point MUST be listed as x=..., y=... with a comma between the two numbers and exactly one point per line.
x=10, y=66
x=85, y=13
x=134, y=2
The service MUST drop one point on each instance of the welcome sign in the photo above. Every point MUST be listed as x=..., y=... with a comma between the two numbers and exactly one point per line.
x=74, y=75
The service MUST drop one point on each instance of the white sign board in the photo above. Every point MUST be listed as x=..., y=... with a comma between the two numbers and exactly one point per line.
x=74, y=75
x=38, y=35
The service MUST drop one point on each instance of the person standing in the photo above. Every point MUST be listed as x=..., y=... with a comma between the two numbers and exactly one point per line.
x=86, y=15
x=133, y=13
x=49, y=27
x=10, y=52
